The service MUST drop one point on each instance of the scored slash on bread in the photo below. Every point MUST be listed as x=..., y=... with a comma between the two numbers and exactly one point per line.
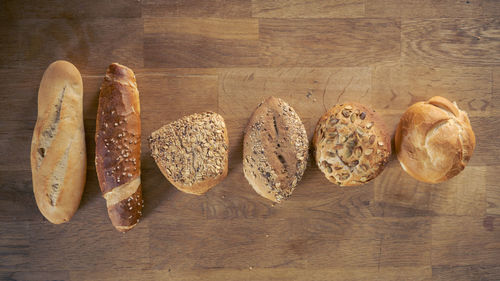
x=351, y=144
x=118, y=147
x=434, y=140
x=275, y=150
x=58, y=154
x=192, y=152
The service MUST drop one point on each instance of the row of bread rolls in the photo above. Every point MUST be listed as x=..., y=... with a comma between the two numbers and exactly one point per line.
x=434, y=141
x=352, y=146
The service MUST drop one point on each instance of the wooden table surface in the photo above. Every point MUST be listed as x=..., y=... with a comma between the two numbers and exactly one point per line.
x=227, y=56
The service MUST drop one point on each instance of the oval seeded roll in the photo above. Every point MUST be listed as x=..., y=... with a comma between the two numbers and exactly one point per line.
x=275, y=150
x=192, y=152
x=434, y=140
x=351, y=144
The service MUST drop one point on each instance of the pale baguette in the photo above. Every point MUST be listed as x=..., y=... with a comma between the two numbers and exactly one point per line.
x=58, y=158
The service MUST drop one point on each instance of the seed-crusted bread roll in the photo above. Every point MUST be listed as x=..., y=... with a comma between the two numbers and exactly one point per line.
x=58, y=158
x=351, y=144
x=434, y=140
x=275, y=150
x=118, y=147
x=192, y=152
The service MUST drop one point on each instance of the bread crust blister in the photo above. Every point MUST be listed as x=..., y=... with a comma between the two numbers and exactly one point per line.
x=434, y=140
x=275, y=150
x=351, y=144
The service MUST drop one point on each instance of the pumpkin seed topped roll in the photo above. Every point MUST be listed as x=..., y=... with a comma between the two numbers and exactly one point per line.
x=351, y=144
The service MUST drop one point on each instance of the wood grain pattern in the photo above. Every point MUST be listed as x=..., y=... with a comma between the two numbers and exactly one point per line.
x=468, y=272
x=309, y=90
x=329, y=42
x=471, y=87
x=463, y=195
x=8, y=45
x=248, y=274
x=18, y=204
x=194, y=8
x=14, y=245
x=84, y=42
x=35, y=275
x=425, y=9
x=227, y=56
x=452, y=239
x=448, y=42
x=490, y=8
x=51, y=9
x=308, y=9
x=213, y=47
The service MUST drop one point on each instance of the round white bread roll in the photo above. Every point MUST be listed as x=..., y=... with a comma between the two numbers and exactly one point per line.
x=434, y=140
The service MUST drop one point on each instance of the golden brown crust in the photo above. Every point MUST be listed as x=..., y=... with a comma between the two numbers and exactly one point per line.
x=128, y=211
x=58, y=157
x=351, y=144
x=275, y=150
x=118, y=145
x=192, y=152
x=434, y=140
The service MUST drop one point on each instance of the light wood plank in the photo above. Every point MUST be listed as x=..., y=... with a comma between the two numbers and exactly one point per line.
x=238, y=29
x=272, y=274
x=486, y=151
x=298, y=243
x=204, y=45
x=194, y=8
x=462, y=195
x=329, y=42
x=310, y=91
x=466, y=272
x=451, y=42
x=308, y=9
x=35, y=275
x=67, y=246
x=492, y=193
x=398, y=87
x=465, y=241
x=490, y=8
x=424, y=9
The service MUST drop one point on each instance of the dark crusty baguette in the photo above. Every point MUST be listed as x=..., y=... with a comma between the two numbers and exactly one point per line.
x=351, y=144
x=118, y=147
x=434, y=140
x=58, y=158
x=275, y=150
x=192, y=152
